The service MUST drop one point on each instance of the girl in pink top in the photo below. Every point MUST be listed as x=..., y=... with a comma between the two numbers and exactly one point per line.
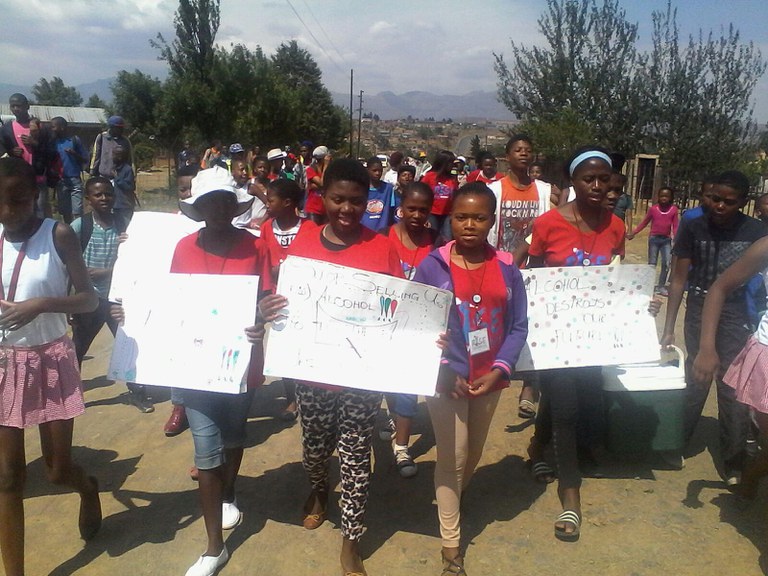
x=663, y=217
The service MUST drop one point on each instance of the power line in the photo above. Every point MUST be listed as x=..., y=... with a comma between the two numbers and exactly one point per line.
x=319, y=45
x=319, y=25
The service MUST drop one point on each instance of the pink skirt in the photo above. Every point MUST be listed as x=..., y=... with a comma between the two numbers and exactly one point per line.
x=748, y=375
x=39, y=384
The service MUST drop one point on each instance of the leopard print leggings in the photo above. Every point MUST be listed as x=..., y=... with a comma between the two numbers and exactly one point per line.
x=343, y=420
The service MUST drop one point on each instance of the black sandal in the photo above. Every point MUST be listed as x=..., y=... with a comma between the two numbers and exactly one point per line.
x=542, y=472
x=568, y=517
x=454, y=567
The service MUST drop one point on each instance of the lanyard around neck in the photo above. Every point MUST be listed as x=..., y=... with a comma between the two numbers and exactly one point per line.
x=16, y=269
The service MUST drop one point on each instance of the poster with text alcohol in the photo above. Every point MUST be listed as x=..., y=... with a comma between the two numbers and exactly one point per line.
x=148, y=251
x=589, y=316
x=190, y=333
x=357, y=329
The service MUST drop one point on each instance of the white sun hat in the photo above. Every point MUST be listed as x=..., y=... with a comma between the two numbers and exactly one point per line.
x=216, y=179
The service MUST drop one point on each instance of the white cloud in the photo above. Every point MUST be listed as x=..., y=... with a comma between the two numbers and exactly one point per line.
x=398, y=46
x=381, y=26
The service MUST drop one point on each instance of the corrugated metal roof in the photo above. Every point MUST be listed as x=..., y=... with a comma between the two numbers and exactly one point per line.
x=72, y=114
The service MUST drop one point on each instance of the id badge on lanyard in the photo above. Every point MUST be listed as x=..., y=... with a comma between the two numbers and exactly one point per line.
x=479, y=341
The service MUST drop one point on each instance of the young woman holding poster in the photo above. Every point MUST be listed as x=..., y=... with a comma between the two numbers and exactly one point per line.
x=332, y=417
x=217, y=420
x=487, y=329
x=579, y=233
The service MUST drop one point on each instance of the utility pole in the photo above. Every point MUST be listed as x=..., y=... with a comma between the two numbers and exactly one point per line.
x=351, y=120
x=359, y=122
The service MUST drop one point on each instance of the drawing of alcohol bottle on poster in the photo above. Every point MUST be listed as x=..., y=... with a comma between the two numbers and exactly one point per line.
x=589, y=316
x=357, y=329
x=187, y=333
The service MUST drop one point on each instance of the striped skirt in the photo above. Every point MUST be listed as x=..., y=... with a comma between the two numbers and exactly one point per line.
x=748, y=375
x=39, y=384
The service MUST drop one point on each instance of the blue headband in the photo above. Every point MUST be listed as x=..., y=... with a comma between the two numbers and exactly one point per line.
x=586, y=156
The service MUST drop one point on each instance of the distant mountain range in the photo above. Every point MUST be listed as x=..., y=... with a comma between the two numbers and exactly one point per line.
x=474, y=106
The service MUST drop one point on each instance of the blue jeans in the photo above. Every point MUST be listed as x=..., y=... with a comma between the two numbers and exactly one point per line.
x=403, y=405
x=69, y=194
x=660, y=245
x=217, y=422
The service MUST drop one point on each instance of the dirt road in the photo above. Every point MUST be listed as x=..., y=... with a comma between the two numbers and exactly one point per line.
x=639, y=519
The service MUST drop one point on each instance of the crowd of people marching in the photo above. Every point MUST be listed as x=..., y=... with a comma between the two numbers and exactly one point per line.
x=435, y=222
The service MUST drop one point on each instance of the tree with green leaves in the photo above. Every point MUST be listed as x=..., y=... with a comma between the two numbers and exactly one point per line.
x=135, y=96
x=55, y=93
x=193, y=51
x=314, y=115
x=238, y=93
x=588, y=66
x=95, y=102
x=563, y=131
x=589, y=83
x=189, y=98
x=700, y=95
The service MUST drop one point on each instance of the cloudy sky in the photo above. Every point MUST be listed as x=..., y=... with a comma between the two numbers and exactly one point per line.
x=440, y=46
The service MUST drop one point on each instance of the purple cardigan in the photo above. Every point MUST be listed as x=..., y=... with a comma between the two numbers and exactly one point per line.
x=435, y=270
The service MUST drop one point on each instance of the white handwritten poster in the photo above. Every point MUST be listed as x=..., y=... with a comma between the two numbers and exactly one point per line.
x=357, y=329
x=189, y=333
x=589, y=316
x=152, y=239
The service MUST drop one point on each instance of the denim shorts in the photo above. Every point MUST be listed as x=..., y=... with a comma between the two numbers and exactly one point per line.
x=217, y=422
x=403, y=405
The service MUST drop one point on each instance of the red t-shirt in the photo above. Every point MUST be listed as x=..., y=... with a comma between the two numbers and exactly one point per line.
x=372, y=252
x=487, y=282
x=314, y=203
x=443, y=187
x=478, y=176
x=248, y=256
x=410, y=259
x=560, y=243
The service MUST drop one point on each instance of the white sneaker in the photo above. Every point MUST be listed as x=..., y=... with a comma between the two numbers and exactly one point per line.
x=230, y=515
x=208, y=565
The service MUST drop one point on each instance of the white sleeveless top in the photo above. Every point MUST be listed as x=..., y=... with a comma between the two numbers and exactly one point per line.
x=42, y=274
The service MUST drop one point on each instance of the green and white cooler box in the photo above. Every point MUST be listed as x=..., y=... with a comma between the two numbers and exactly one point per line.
x=645, y=405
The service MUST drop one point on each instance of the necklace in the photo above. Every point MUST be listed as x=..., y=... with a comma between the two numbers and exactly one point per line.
x=345, y=243
x=586, y=258
x=477, y=297
x=415, y=258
